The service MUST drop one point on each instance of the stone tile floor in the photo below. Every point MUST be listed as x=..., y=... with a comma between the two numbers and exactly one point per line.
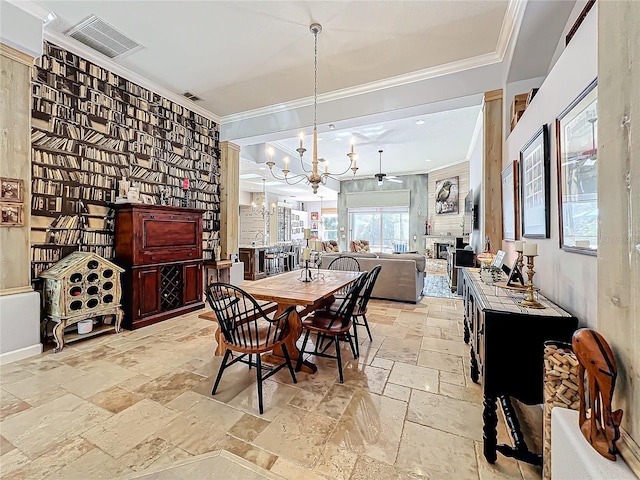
x=118, y=405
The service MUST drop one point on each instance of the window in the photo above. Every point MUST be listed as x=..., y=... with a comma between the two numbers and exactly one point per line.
x=329, y=226
x=386, y=228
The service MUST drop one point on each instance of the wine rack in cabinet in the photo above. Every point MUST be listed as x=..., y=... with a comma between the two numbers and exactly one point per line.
x=160, y=249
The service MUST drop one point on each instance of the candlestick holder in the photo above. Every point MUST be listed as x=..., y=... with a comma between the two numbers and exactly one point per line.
x=305, y=273
x=530, y=301
x=317, y=260
x=520, y=262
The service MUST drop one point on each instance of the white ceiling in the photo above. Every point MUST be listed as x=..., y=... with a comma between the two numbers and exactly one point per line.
x=382, y=66
x=242, y=55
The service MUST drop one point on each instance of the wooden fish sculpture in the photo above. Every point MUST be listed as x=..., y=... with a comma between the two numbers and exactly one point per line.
x=602, y=428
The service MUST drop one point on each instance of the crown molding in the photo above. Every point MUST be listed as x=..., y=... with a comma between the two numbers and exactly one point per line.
x=391, y=82
x=510, y=24
x=95, y=57
x=15, y=54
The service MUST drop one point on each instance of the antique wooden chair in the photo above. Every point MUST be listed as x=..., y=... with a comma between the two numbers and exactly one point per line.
x=247, y=330
x=334, y=325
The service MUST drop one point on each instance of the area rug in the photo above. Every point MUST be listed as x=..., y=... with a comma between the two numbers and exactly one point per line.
x=436, y=265
x=437, y=286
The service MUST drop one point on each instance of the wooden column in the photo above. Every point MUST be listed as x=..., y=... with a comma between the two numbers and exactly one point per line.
x=229, y=198
x=619, y=201
x=15, y=151
x=491, y=210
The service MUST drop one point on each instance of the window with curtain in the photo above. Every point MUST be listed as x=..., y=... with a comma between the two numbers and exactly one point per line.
x=386, y=228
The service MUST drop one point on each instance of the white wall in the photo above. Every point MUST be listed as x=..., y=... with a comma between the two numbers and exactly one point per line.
x=568, y=279
x=20, y=30
x=573, y=16
x=475, y=184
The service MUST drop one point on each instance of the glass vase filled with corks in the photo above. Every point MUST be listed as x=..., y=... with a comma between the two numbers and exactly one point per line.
x=560, y=390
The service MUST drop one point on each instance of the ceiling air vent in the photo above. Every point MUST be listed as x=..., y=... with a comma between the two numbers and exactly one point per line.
x=99, y=35
x=191, y=96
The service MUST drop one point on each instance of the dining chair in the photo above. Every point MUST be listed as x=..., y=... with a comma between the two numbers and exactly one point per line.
x=360, y=310
x=334, y=325
x=347, y=264
x=247, y=330
x=359, y=316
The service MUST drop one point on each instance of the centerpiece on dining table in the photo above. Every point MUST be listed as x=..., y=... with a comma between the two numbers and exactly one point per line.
x=311, y=256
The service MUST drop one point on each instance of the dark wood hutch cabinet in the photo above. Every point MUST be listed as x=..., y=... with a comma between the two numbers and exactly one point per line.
x=161, y=249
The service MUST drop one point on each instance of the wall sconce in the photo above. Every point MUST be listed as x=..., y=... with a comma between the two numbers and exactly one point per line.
x=273, y=208
x=419, y=210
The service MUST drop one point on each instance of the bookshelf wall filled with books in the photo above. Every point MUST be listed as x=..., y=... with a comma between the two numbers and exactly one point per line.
x=92, y=128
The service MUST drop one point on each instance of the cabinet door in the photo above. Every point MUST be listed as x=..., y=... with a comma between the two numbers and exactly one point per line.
x=192, y=283
x=148, y=288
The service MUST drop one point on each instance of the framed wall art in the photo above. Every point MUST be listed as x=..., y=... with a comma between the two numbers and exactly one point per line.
x=11, y=189
x=577, y=152
x=447, y=196
x=534, y=185
x=510, y=202
x=314, y=215
x=11, y=214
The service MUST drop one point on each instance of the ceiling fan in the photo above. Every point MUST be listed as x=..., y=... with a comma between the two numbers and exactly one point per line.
x=381, y=176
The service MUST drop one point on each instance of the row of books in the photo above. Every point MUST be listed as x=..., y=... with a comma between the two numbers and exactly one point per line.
x=49, y=108
x=103, y=168
x=66, y=230
x=105, y=251
x=206, y=197
x=148, y=175
x=50, y=204
x=210, y=225
x=41, y=139
x=103, y=156
x=91, y=237
x=55, y=159
x=50, y=173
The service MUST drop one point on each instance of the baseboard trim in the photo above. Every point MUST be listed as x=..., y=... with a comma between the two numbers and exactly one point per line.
x=21, y=353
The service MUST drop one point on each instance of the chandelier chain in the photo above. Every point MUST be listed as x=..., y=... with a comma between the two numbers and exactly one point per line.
x=315, y=80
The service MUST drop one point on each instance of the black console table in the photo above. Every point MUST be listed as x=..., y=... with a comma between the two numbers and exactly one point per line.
x=507, y=346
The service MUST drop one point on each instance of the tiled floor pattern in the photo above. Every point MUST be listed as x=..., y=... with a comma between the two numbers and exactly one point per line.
x=121, y=404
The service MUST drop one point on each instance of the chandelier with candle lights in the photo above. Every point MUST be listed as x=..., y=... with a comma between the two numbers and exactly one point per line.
x=260, y=205
x=313, y=177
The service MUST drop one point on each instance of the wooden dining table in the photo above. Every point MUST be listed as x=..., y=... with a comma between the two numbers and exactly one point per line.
x=286, y=290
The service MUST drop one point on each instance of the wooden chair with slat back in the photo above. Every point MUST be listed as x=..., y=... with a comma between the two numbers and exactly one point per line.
x=247, y=330
x=334, y=325
x=346, y=264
